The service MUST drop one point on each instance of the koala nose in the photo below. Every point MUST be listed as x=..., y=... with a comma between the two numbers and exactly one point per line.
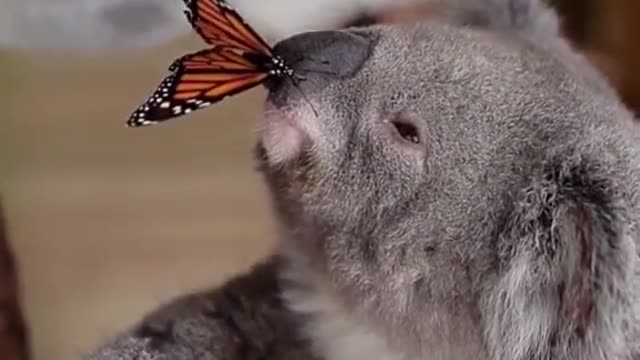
x=321, y=56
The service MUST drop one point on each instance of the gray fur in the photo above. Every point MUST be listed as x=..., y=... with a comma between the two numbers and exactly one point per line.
x=509, y=233
x=244, y=319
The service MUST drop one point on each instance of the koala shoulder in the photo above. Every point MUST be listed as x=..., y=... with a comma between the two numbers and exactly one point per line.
x=243, y=319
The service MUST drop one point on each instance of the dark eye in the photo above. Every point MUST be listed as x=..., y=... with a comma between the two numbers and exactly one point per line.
x=406, y=130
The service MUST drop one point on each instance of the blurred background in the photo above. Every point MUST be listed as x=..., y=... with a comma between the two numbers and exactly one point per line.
x=102, y=223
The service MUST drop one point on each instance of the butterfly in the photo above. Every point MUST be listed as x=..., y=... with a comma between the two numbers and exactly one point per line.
x=238, y=60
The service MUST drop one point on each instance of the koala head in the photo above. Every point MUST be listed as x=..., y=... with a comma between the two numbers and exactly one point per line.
x=469, y=182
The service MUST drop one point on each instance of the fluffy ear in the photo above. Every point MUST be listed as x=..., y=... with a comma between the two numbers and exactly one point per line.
x=565, y=262
x=530, y=20
x=528, y=17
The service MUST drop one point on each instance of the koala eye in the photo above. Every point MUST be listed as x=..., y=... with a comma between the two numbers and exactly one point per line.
x=405, y=130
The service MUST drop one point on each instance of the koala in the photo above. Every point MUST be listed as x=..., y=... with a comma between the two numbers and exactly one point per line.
x=463, y=188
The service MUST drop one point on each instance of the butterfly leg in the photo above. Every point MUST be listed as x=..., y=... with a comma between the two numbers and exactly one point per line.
x=323, y=62
x=297, y=78
x=189, y=16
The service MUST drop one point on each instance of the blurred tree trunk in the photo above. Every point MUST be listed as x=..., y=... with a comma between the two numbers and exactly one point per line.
x=577, y=17
x=14, y=344
x=608, y=32
x=618, y=35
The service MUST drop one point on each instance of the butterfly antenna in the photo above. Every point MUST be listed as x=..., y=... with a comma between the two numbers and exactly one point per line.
x=295, y=84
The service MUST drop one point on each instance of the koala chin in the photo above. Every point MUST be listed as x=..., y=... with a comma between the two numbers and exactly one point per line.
x=457, y=189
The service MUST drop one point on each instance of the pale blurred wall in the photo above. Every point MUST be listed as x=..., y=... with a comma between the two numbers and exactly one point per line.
x=101, y=24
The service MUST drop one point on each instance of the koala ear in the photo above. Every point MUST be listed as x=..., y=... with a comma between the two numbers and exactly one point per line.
x=528, y=17
x=565, y=259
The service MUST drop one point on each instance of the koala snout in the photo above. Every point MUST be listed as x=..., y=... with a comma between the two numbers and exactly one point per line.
x=317, y=58
x=290, y=120
x=333, y=53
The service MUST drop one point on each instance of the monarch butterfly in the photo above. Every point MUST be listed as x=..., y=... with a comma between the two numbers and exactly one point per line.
x=239, y=60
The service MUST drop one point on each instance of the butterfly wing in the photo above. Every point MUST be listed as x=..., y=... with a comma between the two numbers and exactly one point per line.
x=220, y=25
x=197, y=81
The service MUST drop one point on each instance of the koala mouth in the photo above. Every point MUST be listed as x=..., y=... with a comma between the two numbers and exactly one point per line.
x=281, y=137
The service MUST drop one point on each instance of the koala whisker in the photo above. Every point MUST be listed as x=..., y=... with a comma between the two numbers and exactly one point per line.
x=295, y=78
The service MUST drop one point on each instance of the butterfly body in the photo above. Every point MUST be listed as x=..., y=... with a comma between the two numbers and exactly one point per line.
x=238, y=60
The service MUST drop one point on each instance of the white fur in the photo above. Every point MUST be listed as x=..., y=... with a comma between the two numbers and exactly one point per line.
x=334, y=333
x=281, y=135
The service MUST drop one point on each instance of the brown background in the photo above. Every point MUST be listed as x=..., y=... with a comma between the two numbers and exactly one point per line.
x=108, y=222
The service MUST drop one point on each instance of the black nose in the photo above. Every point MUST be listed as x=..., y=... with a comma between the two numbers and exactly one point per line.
x=321, y=56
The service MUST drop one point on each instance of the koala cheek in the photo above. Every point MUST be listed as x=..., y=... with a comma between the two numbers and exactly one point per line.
x=406, y=165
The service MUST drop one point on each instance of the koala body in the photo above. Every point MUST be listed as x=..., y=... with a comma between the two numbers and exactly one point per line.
x=467, y=190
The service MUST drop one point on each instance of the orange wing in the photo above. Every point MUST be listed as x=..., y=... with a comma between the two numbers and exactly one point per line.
x=220, y=25
x=198, y=80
